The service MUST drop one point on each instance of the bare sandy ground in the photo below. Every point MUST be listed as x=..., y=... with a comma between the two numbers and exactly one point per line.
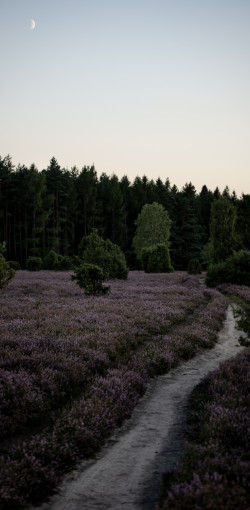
x=127, y=473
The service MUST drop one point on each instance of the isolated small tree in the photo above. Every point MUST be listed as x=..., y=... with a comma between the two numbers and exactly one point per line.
x=50, y=261
x=6, y=272
x=194, y=266
x=152, y=227
x=90, y=278
x=34, y=263
x=93, y=249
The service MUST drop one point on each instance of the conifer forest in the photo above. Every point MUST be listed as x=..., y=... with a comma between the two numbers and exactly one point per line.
x=55, y=208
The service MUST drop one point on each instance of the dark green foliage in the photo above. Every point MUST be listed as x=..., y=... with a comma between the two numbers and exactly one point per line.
x=156, y=259
x=242, y=226
x=93, y=251
x=236, y=269
x=3, y=248
x=222, y=234
x=90, y=278
x=105, y=254
x=53, y=209
x=14, y=264
x=6, y=272
x=56, y=262
x=186, y=232
x=34, y=263
x=64, y=263
x=242, y=315
x=117, y=263
x=194, y=266
x=50, y=261
x=111, y=219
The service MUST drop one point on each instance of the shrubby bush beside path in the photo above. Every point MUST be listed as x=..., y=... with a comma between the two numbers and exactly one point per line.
x=74, y=366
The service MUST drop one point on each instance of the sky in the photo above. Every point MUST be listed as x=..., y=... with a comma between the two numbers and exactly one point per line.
x=138, y=87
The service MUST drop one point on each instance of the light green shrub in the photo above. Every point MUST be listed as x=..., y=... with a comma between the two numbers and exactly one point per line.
x=156, y=259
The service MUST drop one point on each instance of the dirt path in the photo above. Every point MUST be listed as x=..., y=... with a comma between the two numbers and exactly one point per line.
x=127, y=473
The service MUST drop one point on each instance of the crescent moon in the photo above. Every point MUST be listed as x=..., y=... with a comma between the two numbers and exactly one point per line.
x=32, y=24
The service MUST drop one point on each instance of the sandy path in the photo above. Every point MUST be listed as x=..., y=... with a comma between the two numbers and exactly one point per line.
x=127, y=473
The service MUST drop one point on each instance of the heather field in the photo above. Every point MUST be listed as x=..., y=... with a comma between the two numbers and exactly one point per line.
x=214, y=472
x=73, y=367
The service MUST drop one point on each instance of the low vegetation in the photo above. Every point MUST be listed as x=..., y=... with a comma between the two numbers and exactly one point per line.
x=234, y=269
x=74, y=366
x=214, y=471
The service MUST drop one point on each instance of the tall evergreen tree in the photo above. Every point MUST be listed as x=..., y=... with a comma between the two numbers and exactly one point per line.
x=222, y=235
x=6, y=201
x=242, y=225
x=86, y=200
x=35, y=187
x=186, y=235
x=205, y=200
x=55, y=192
x=111, y=224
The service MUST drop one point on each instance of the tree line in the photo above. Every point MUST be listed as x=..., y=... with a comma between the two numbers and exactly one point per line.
x=55, y=208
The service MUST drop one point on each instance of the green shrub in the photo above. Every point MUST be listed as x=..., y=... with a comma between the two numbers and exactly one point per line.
x=235, y=269
x=14, y=264
x=156, y=259
x=34, y=264
x=117, y=265
x=105, y=254
x=50, y=261
x=92, y=250
x=6, y=272
x=194, y=266
x=90, y=278
x=3, y=248
x=64, y=263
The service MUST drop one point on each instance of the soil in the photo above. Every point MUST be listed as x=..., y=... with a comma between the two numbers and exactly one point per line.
x=127, y=473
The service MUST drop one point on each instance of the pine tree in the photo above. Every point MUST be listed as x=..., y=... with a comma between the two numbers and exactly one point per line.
x=222, y=235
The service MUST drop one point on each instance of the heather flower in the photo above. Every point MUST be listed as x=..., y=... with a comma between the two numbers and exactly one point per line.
x=80, y=364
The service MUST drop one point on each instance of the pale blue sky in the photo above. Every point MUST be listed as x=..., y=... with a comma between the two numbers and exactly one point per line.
x=154, y=87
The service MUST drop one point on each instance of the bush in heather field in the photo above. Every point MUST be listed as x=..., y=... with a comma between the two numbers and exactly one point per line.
x=34, y=264
x=93, y=249
x=156, y=259
x=235, y=269
x=64, y=263
x=14, y=264
x=194, y=266
x=6, y=272
x=117, y=266
x=50, y=260
x=90, y=278
x=214, y=471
